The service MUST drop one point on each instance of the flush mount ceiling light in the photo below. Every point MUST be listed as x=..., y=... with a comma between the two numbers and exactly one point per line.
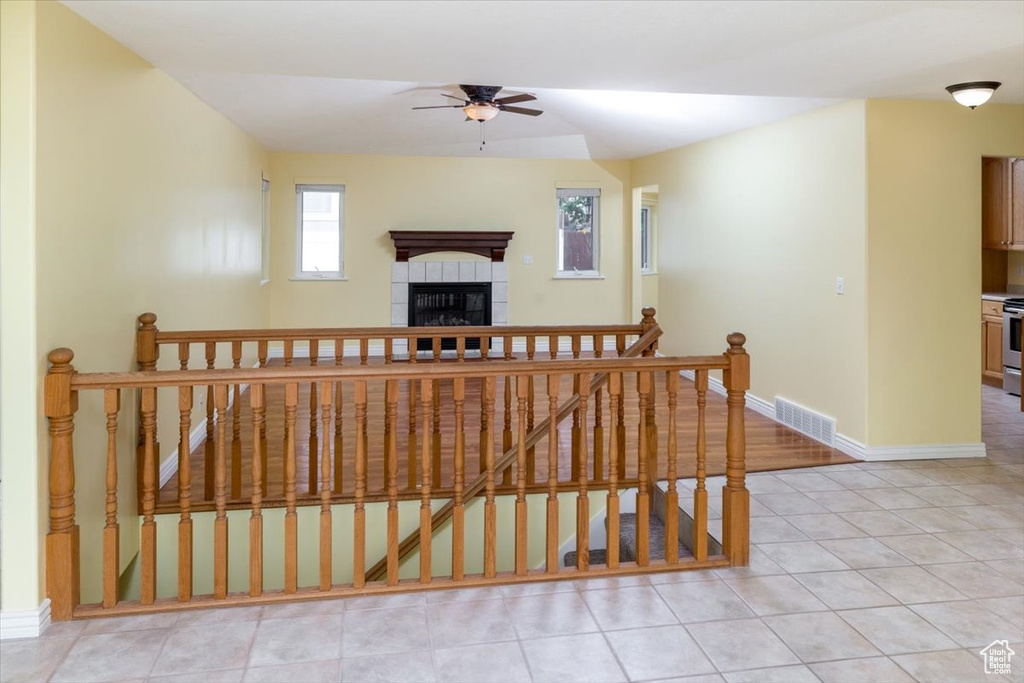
x=481, y=111
x=973, y=94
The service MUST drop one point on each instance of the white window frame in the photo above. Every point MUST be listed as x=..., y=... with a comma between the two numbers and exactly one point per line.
x=595, y=273
x=650, y=240
x=301, y=274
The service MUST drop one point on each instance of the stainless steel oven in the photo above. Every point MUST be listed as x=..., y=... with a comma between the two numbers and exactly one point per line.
x=1013, y=311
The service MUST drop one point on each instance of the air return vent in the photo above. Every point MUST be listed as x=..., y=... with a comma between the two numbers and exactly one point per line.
x=806, y=421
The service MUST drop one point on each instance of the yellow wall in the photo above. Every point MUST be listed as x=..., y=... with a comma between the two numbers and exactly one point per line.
x=754, y=227
x=20, y=471
x=439, y=193
x=924, y=265
x=146, y=200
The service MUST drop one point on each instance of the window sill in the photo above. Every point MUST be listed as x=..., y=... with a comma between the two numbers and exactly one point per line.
x=318, y=278
x=580, y=276
x=645, y=273
x=264, y=282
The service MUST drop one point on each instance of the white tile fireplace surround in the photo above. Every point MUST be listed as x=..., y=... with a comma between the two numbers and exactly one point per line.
x=402, y=273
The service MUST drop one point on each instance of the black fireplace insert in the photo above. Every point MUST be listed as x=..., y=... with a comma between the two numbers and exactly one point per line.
x=449, y=304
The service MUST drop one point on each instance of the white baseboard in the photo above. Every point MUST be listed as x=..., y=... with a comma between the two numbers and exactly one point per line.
x=29, y=623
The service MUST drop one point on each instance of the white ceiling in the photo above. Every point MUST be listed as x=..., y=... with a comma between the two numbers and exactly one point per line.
x=615, y=79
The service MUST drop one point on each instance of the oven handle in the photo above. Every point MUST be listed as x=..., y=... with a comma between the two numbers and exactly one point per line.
x=1011, y=371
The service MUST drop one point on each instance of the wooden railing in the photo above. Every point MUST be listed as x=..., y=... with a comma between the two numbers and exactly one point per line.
x=345, y=347
x=632, y=386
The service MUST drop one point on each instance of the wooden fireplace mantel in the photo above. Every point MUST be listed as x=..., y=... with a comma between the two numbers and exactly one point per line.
x=489, y=244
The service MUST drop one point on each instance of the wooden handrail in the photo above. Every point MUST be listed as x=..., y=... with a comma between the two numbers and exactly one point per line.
x=535, y=436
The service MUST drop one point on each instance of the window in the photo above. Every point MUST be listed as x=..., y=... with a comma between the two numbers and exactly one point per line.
x=319, y=218
x=648, y=228
x=578, y=232
x=265, y=235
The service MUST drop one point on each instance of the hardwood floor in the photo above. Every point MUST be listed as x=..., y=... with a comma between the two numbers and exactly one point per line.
x=770, y=446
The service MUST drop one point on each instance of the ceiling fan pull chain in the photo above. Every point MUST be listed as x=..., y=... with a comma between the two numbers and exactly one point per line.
x=482, y=140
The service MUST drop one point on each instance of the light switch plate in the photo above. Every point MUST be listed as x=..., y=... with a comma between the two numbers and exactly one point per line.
x=839, y=285
x=527, y=260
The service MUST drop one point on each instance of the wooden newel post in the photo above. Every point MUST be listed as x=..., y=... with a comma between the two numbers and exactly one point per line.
x=63, y=583
x=147, y=352
x=647, y=324
x=735, y=497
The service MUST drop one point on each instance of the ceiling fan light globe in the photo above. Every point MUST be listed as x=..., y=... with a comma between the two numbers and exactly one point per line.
x=973, y=94
x=480, y=112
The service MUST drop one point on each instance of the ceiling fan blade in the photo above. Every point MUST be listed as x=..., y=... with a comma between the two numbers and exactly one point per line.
x=525, y=97
x=442, y=106
x=522, y=110
x=444, y=94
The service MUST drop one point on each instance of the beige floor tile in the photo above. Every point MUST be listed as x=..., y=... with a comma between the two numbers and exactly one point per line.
x=211, y=616
x=842, y=501
x=741, y=644
x=820, y=636
x=111, y=656
x=941, y=496
x=808, y=481
x=699, y=678
x=326, y=671
x=912, y=585
x=222, y=676
x=385, y=601
x=767, y=595
x=897, y=630
x=773, y=530
x=1009, y=608
x=31, y=659
x=577, y=658
x=892, y=498
x=803, y=557
x=133, y=623
x=761, y=482
x=605, y=582
x=935, y=520
x=981, y=545
x=970, y=623
x=950, y=666
x=518, y=590
x=306, y=608
x=863, y=553
x=1012, y=569
x=703, y=601
x=65, y=629
x=794, y=503
x=880, y=523
x=556, y=614
x=456, y=624
x=905, y=478
x=373, y=632
x=925, y=548
x=489, y=663
x=879, y=669
x=858, y=480
x=283, y=641
x=797, y=673
x=760, y=565
x=975, y=579
x=994, y=494
x=659, y=652
x=207, y=647
x=410, y=667
x=621, y=608
x=949, y=476
x=845, y=590
x=463, y=595
x=989, y=517
x=818, y=527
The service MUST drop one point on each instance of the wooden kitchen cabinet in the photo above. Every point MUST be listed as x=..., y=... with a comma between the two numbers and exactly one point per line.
x=1002, y=203
x=992, y=343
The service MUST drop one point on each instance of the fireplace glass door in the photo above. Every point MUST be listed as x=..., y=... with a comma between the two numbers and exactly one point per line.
x=449, y=304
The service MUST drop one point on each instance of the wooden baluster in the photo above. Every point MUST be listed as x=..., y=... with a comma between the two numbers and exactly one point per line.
x=458, y=512
x=460, y=349
x=147, y=551
x=256, y=402
x=735, y=497
x=325, y=488
x=184, y=495
x=490, y=511
x=339, y=352
x=647, y=324
x=147, y=352
x=643, y=503
x=531, y=452
x=209, y=446
x=314, y=440
x=576, y=426
x=291, y=521
x=426, y=401
x=262, y=355
x=413, y=349
x=435, y=344
x=236, y=424
x=598, y=418
x=183, y=353
x=583, y=498
x=436, y=442
x=339, y=439
x=63, y=578
x=364, y=351
x=483, y=429
x=700, y=493
x=412, y=451
x=388, y=350
x=506, y=432
x=614, y=395
x=485, y=347
x=220, y=522
x=522, y=393
x=552, y=507
x=671, y=495
x=620, y=428
x=111, y=532
x=359, y=513
x=391, y=465
x=620, y=344
x=553, y=346
x=289, y=352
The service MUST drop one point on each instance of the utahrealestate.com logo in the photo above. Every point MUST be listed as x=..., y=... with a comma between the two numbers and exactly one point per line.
x=997, y=657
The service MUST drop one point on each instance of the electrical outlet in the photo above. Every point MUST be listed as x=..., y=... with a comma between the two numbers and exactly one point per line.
x=527, y=260
x=839, y=285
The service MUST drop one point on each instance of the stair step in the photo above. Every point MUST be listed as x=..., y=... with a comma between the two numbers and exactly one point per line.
x=627, y=542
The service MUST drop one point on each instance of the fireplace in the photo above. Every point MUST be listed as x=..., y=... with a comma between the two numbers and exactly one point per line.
x=449, y=304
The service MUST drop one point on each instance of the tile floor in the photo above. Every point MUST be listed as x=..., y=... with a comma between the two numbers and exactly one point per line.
x=894, y=571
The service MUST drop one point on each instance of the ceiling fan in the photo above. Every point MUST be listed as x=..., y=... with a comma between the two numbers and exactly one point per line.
x=480, y=103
